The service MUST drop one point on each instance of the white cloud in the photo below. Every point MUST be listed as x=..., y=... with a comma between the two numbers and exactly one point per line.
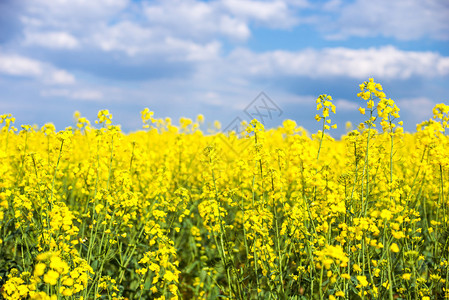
x=346, y=105
x=16, y=65
x=55, y=40
x=194, y=19
x=275, y=14
x=172, y=29
x=134, y=40
x=194, y=51
x=212, y=98
x=401, y=19
x=332, y=5
x=72, y=13
x=87, y=95
x=234, y=28
x=420, y=108
x=124, y=36
x=61, y=77
x=229, y=18
x=384, y=62
x=55, y=93
x=83, y=94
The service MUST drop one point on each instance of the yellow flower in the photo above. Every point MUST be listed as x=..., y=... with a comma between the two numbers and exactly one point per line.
x=340, y=294
x=67, y=291
x=200, y=118
x=44, y=256
x=68, y=281
x=362, y=280
x=39, y=269
x=51, y=277
x=59, y=265
x=394, y=248
x=362, y=110
x=169, y=276
x=386, y=214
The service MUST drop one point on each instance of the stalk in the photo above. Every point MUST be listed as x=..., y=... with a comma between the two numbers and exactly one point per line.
x=366, y=168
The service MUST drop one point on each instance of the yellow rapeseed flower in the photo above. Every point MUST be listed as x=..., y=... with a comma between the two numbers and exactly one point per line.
x=394, y=248
x=51, y=277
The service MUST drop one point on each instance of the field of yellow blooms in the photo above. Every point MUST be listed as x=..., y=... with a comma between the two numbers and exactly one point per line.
x=170, y=212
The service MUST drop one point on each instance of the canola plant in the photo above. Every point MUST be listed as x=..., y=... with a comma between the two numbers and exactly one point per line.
x=170, y=212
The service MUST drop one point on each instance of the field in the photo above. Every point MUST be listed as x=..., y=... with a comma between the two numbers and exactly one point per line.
x=170, y=212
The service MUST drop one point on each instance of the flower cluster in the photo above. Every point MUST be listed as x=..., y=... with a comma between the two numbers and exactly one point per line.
x=324, y=103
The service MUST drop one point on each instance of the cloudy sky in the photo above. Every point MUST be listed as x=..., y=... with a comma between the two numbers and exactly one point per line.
x=185, y=57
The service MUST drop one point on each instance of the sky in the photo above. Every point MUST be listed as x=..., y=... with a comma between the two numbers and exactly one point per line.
x=226, y=59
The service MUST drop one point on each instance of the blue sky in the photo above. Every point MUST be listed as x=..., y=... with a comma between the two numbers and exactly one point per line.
x=185, y=57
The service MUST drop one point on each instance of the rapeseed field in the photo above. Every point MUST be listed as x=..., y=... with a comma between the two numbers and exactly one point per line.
x=170, y=212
